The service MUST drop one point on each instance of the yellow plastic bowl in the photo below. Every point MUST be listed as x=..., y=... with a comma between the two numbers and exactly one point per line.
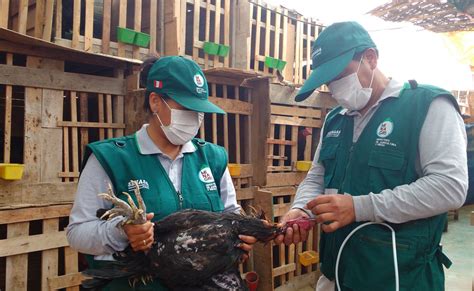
x=11, y=171
x=234, y=169
x=308, y=258
x=303, y=166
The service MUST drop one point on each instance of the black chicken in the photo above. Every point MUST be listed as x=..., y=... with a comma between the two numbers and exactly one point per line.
x=193, y=249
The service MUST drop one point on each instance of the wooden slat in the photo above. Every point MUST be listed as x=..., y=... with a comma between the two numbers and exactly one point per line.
x=106, y=22
x=284, y=179
x=34, y=213
x=281, y=209
x=22, y=16
x=39, y=18
x=271, y=147
x=217, y=28
x=153, y=25
x=89, y=21
x=207, y=32
x=281, y=142
x=74, y=140
x=278, y=271
x=279, y=168
x=197, y=14
x=282, y=146
x=49, y=258
x=277, y=158
x=108, y=110
x=232, y=106
x=48, y=21
x=294, y=148
x=8, y=116
x=54, y=79
x=296, y=111
x=4, y=8
x=226, y=28
x=267, y=35
x=16, y=266
x=137, y=25
x=308, y=49
x=101, y=116
x=308, y=147
x=257, y=37
x=71, y=265
x=33, y=243
x=226, y=121
x=59, y=19
x=295, y=121
x=291, y=260
x=299, y=248
x=245, y=194
x=118, y=114
x=76, y=24
x=122, y=23
x=249, y=45
x=277, y=33
x=69, y=174
x=66, y=150
x=83, y=110
x=282, y=191
x=60, y=282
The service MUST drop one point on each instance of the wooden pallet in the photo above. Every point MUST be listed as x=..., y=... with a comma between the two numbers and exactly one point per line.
x=35, y=249
x=45, y=19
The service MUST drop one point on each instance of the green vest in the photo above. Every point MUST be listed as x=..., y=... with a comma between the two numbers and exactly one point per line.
x=383, y=158
x=202, y=171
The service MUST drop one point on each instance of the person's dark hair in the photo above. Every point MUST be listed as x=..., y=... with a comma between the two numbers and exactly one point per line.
x=145, y=69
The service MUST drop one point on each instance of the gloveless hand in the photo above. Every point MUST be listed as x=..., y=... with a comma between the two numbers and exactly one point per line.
x=333, y=211
x=140, y=236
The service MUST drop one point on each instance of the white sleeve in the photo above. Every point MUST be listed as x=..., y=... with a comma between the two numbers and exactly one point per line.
x=228, y=194
x=86, y=233
x=443, y=185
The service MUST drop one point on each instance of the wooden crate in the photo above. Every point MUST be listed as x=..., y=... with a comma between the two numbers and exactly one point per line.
x=190, y=23
x=52, y=110
x=85, y=25
x=275, y=31
x=34, y=252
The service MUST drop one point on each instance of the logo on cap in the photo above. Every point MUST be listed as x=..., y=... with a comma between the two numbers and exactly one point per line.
x=316, y=53
x=198, y=80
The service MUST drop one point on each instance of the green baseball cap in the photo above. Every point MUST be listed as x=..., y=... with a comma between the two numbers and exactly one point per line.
x=333, y=50
x=182, y=80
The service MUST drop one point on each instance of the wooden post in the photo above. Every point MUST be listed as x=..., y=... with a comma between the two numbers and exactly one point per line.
x=207, y=32
x=217, y=29
x=227, y=29
x=74, y=136
x=267, y=35
x=58, y=19
x=257, y=38
x=22, y=16
x=39, y=18
x=263, y=255
x=259, y=132
x=243, y=28
x=49, y=258
x=17, y=266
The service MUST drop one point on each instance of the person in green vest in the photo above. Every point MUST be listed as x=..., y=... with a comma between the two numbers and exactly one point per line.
x=174, y=170
x=392, y=153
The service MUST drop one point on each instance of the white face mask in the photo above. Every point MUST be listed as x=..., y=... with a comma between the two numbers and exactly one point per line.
x=183, y=127
x=349, y=93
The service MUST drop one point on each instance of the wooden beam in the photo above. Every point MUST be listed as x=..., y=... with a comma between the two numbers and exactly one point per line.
x=64, y=281
x=22, y=16
x=153, y=25
x=285, y=179
x=296, y=111
x=34, y=213
x=295, y=121
x=137, y=20
x=52, y=79
x=122, y=23
x=278, y=271
x=89, y=28
x=39, y=18
x=233, y=106
x=33, y=243
x=49, y=258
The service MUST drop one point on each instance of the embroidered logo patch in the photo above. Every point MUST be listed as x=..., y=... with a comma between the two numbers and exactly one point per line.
x=142, y=184
x=333, y=133
x=385, y=128
x=198, y=80
x=205, y=175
